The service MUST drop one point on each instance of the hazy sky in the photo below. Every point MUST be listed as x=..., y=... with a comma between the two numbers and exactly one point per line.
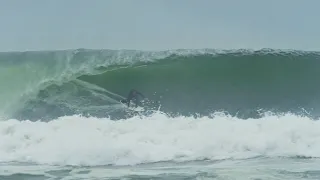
x=159, y=24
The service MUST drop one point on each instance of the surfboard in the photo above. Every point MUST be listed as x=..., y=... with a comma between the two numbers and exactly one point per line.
x=133, y=108
x=137, y=109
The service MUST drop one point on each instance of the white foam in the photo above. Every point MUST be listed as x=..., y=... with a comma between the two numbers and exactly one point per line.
x=76, y=140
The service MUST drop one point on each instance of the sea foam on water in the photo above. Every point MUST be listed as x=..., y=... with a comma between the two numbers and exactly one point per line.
x=78, y=140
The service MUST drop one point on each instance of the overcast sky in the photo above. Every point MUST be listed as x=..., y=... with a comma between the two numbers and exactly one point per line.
x=159, y=24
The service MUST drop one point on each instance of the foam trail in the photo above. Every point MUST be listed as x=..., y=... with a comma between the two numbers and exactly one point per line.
x=76, y=140
x=97, y=88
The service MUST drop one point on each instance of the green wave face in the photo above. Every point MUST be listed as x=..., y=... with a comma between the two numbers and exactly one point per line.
x=231, y=82
x=241, y=82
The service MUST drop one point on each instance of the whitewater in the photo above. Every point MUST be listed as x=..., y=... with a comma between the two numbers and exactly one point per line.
x=209, y=114
x=92, y=143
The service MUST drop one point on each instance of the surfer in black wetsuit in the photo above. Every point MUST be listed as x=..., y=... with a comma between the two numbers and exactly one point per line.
x=133, y=95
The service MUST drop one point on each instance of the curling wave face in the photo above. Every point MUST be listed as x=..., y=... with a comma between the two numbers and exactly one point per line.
x=50, y=84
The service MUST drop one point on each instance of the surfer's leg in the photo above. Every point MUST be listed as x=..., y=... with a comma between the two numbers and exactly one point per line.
x=137, y=102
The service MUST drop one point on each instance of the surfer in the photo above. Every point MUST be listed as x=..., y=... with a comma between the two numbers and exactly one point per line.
x=133, y=95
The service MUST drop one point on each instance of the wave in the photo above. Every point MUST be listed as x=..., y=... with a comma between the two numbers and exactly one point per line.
x=89, y=141
x=51, y=84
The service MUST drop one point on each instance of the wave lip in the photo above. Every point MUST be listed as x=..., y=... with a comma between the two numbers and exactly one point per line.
x=76, y=140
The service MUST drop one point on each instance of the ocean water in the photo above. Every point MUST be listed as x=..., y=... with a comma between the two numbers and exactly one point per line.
x=208, y=114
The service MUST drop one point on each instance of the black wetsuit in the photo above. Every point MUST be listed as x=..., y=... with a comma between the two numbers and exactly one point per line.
x=133, y=95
